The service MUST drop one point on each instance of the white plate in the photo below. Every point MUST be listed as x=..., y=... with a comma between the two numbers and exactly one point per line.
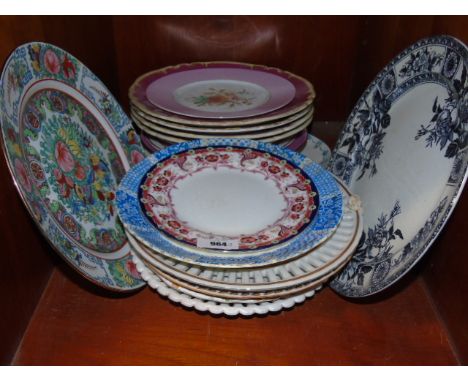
x=221, y=129
x=246, y=133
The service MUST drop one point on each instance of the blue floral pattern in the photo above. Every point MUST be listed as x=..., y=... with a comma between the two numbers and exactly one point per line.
x=447, y=128
x=385, y=252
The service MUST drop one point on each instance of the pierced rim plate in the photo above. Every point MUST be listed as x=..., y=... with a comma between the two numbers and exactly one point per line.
x=206, y=304
x=304, y=94
x=403, y=151
x=328, y=215
x=220, y=93
x=68, y=143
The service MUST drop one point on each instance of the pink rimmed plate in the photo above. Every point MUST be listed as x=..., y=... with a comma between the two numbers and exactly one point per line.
x=303, y=96
x=220, y=92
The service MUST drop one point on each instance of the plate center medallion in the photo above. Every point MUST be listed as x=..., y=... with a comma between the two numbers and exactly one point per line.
x=74, y=167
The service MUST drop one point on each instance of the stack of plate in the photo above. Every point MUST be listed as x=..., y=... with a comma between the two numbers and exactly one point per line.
x=221, y=99
x=237, y=226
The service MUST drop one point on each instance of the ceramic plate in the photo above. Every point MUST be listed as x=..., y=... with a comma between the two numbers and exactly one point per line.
x=293, y=143
x=304, y=94
x=222, y=129
x=278, y=130
x=316, y=264
x=316, y=150
x=68, y=143
x=262, y=191
x=271, y=139
x=403, y=151
x=214, y=194
x=206, y=304
x=234, y=297
x=220, y=92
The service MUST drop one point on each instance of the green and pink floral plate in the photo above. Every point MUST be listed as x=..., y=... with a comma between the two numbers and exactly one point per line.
x=68, y=143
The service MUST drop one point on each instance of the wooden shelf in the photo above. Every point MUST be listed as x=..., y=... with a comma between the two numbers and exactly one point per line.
x=75, y=323
x=78, y=323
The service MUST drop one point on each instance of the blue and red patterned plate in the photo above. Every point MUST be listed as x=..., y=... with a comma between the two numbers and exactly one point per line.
x=68, y=143
x=229, y=203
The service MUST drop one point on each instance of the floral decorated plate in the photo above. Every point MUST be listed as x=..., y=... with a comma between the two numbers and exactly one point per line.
x=403, y=151
x=220, y=92
x=68, y=143
x=303, y=97
x=229, y=203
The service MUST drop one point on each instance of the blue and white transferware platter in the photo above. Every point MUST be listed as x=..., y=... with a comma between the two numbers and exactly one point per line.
x=216, y=214
x=68, y=143
x=403, y=151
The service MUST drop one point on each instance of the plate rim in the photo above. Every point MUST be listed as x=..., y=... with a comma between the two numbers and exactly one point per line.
x=222, y=129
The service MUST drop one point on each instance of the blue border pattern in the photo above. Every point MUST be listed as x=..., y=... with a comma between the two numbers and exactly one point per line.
x=327, y=218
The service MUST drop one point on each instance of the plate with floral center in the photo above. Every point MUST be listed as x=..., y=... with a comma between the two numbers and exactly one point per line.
x=68, y=143
x=303, y=95
x=220, y=92
x=403, y=151
x=229, y=203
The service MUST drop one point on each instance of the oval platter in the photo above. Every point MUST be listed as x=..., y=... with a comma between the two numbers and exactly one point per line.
x=68, y=143
x=403, y=151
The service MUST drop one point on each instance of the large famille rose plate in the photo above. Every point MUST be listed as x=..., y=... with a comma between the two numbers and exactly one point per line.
x=220, y=92
x=288, y=95
x=403, y=151
x=68, y=143
x=229, y=203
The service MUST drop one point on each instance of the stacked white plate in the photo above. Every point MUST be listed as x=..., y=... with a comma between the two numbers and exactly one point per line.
x=221, y=99
x=235, y=226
